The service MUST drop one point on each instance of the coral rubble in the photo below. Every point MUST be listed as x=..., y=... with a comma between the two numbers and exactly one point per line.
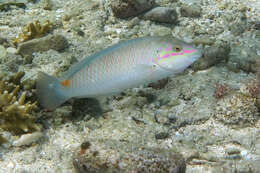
x=239, y=110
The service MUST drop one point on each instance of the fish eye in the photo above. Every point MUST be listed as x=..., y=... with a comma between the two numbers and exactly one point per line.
x=177, y=48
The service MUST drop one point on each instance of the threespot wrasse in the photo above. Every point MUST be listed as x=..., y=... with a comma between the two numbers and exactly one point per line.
x=124, y=65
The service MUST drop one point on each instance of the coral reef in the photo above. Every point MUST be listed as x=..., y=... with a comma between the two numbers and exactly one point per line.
x=15, y=113
x=33, y=30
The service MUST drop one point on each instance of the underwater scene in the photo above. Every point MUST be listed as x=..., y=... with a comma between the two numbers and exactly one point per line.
x=129, y=86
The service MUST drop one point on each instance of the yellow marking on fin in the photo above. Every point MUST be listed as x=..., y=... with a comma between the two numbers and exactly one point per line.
x=65, y=83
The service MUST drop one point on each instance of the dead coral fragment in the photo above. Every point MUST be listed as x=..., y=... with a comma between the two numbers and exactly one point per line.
x=33, y=30
x=15, y=114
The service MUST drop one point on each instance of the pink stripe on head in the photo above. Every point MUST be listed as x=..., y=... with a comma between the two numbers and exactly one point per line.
x=176, y=53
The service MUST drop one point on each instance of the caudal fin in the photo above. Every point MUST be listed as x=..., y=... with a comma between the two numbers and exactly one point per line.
x=49, y=91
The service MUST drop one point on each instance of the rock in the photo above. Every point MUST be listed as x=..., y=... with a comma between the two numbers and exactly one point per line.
x=161, y=14
x=162, y=135
x=11, y=50
x=2, y=53
x=212, y=56
x=257, y=25
x=55, y=42
x=191, y=10
x=144, y=160
x=130, y=8
x=27, y=139
x=245, y=59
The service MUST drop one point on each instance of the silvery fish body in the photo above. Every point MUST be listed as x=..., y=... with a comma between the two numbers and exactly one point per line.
x=124, y=65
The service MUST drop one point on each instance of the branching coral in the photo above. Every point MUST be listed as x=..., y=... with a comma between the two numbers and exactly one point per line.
x=33, y=30
x=15, y=113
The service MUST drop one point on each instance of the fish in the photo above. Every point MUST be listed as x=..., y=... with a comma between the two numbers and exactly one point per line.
x=125, y=65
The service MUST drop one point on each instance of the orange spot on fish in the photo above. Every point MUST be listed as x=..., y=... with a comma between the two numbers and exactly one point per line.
x=65, y=83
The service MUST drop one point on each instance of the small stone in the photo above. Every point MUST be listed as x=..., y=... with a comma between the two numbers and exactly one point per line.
x=191, y=10
x=162, y=14
x=47, y=5
x=27, y=139
x=257, y=25
x=172, y=118
x=162, y=135
x=231, y=151
x=11, y=50
x=130, y=8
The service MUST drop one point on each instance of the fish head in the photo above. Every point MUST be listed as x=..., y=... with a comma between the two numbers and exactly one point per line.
x=175, y=55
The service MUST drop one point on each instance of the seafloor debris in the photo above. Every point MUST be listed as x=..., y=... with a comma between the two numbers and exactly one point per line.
x=191, y=10
x=238, y=110
x=162, y=14
x=212, y=56
x=130, y=8
x=27, y=139
x=142, y=160
x=33, y=30
x=15, y=113
x=5, y=6
x=221, y=90
x=56, y=42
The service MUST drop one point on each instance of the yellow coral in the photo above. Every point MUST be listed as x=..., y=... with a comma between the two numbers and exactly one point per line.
x=33, y=30
x=15, y=114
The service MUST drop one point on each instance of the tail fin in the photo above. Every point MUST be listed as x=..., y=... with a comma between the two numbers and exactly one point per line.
x=49, y=91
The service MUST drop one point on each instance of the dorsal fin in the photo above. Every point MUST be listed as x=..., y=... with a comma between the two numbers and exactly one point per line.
x=87, y=60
